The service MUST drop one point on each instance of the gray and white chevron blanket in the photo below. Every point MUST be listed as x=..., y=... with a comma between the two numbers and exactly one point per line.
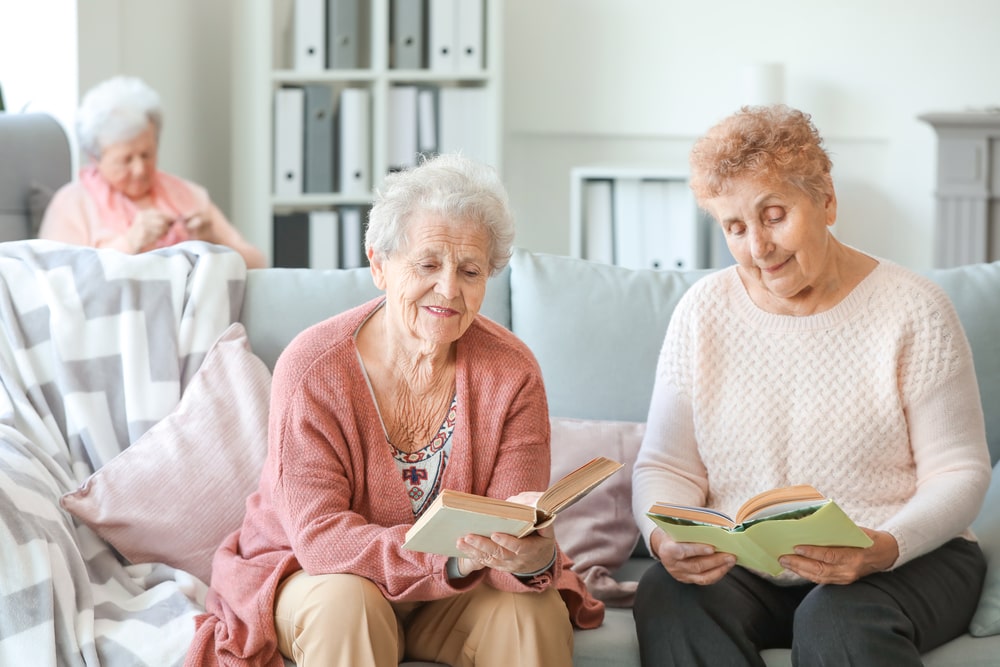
x=96, y=346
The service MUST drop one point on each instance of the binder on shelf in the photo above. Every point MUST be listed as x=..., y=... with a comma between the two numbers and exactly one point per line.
x=427, y=120
x=343, y=32
x=682, y=223
x=402, y=129
x=309, y=37
x=598, y=218
x=353, y=141
x=318, y=148
x=352, y=237
x=289, y=116
x=407, y=30
x=669, y=225
x=469, y=36
x=441, y=32
x=324, y=242
x=291, y=240
x=465, y=122
x=627, y=227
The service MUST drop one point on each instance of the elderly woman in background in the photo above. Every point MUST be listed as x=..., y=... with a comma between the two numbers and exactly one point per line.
x=121, y=199
x=809, y=362
x=373, y=412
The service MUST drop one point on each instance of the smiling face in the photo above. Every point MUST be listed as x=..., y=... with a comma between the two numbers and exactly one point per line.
x=435, y=283
x=128, y=166
x=781, y=241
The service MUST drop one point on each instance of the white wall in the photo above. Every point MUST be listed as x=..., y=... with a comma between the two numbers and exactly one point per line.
x=38, y=58
x=636, y=81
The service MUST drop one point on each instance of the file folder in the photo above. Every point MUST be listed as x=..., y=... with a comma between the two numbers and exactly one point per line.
x=324, y=242
x=469, y=36
x=427, y=120
x=442, y=31
x=627, y=224
x=352, y=241
x=354, y=138
x=291, y=240
x=407, y=34
x=318, y=149
x=343, y=32
x=402, y=130
x=289, y=111
x=598, y=244
x=309, y=36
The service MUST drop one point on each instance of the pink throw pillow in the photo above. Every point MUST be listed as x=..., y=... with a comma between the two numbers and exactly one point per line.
x=599, y=532
x=181, y=488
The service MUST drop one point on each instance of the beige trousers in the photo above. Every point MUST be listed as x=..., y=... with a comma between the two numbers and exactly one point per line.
x=343, y=620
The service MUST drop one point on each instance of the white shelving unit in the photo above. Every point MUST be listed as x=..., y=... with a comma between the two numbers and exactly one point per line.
x=263, y=30
x=642, y=218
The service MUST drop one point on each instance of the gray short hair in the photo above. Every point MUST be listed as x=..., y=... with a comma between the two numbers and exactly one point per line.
x=116, y=110
x=462, y=190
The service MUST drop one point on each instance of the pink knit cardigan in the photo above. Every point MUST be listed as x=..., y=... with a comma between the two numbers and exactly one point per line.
x=331, y=500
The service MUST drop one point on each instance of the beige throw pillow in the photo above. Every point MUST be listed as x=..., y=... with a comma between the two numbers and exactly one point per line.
x=181, y=488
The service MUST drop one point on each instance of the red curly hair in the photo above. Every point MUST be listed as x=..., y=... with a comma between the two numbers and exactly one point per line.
x=768, y=143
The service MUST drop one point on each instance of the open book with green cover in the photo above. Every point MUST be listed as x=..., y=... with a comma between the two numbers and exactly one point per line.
x=454, y=514
x=766, y=526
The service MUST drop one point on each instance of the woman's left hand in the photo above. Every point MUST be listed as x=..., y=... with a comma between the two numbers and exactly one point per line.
x=843, y=565
x=506, y=552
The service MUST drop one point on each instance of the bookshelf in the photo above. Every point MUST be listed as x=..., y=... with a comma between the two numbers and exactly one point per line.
x=265, y=62
x=641, y=218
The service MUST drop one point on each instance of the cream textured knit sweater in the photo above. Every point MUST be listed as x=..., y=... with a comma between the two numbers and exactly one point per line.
x=874, y=402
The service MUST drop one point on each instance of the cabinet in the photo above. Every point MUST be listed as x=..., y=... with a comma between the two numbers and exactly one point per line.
x=641, y=218
x=967, y=195
x=461, y=85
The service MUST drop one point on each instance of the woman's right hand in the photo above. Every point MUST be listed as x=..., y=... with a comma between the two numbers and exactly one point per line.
x=148, y=226
x=690, y=562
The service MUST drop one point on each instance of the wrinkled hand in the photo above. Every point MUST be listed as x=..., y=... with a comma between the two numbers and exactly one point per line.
x=200, y=226
x=691, y=562
x=843, y=565
x=506, y=552
x=147, y=227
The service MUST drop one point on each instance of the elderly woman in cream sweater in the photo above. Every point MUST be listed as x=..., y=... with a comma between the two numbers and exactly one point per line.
x=809, y=362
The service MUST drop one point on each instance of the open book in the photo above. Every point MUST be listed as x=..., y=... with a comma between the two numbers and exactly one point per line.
x=766, y=526
x=454, y=514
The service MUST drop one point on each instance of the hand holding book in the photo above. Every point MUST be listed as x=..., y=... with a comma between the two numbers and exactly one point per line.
x=766, y=526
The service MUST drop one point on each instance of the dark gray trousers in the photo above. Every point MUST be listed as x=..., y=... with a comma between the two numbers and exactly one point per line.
x=888, y=618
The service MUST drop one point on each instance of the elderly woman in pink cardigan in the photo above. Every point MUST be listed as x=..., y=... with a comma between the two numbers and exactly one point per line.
x=373, y=412
x=121, y=200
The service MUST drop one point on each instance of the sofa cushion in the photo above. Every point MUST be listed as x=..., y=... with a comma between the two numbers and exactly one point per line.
x=596, y=330
x=176, y=492
x=598, y=532
x=975, y=291
x=986, y=620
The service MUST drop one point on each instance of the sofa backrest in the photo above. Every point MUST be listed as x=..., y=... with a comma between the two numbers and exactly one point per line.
x=595, y=329
x=34, y=162
x=280, y=303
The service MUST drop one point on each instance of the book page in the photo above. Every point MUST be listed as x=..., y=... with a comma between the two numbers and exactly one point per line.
x=576, y=484
x=792, y=495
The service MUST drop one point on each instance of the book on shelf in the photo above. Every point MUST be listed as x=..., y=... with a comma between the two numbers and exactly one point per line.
x=766, y=527
x=454, y=514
